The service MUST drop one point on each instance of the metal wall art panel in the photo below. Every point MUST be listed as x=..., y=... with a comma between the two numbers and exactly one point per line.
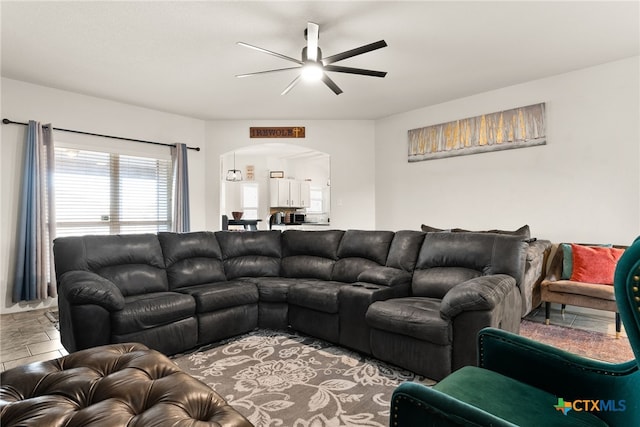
x=516, y=128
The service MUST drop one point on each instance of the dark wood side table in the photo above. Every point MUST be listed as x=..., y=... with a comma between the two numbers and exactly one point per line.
x=247, y=224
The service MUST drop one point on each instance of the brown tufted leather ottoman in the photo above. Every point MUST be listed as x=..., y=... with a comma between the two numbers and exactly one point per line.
x=114, y=385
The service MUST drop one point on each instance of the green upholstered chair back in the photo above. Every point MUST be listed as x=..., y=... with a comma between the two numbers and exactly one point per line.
x=627, y=289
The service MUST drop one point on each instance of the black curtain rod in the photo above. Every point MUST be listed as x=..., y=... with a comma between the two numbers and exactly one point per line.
x=11, y=122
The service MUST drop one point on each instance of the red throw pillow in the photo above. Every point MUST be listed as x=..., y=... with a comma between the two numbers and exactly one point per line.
x=594, y=264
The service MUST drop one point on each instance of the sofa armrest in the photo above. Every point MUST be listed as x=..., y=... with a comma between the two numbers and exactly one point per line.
x=416, y=405
x=550, y=368
x=537, y=249
x=480, y=293
x=554, y=269
x=386, y=276
x=85, y=287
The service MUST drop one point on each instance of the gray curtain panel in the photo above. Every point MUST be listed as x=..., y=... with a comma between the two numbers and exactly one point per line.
x=180, y=223
x=34, y=274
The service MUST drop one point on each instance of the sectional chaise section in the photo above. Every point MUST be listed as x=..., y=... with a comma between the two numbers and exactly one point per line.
x=411, y=298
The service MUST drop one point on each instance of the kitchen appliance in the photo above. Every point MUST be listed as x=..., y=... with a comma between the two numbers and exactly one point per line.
x=297, y=218
x=278, y=218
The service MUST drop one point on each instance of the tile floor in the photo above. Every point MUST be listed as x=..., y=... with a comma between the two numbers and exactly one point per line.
x=579, y=318
x=30, y=336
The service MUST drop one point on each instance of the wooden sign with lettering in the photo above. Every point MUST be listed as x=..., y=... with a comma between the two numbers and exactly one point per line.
x=277, y=132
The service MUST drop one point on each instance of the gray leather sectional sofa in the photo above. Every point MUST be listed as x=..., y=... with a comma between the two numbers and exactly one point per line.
x=413, y=299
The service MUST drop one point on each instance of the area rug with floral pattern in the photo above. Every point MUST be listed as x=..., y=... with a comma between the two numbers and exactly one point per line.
x=281, y=379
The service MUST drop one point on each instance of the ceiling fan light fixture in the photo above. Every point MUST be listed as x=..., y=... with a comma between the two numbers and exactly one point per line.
x=311, y=71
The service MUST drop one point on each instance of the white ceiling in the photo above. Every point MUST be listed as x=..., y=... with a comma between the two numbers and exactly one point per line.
x=181, y=56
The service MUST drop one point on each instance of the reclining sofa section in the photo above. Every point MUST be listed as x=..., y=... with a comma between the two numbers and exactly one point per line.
x=411, y=298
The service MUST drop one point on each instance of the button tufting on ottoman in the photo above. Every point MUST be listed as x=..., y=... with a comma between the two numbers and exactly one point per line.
x=114, y=385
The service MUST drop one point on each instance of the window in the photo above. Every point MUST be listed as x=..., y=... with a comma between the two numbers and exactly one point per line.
x=315, y=201
x=111, y=193
x=250, y=199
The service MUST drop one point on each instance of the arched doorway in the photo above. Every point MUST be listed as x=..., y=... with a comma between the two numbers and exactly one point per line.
x=264, y=169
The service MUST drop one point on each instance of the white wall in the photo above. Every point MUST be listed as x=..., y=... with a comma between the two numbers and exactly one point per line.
x=584, y=185
x=350, y=143
x=22, y=102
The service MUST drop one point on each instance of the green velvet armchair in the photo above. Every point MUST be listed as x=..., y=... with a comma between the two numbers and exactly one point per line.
x=520, y=382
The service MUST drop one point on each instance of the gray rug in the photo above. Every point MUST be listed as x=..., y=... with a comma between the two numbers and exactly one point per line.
x=280, y=379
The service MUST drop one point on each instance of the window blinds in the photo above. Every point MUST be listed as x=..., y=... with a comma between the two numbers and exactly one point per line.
x=111, y=193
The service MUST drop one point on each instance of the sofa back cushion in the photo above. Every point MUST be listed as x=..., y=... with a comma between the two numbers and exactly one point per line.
x=310, y=254
x=447, y=259
x=524, y=231
x=192, y=258
x=360, y=250
x=134, y=262
x=404, y=249
x=250, y=253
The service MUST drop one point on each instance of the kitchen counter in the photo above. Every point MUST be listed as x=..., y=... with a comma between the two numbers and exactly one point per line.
x=308, y=226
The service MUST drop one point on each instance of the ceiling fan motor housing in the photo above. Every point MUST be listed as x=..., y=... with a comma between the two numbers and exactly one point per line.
x=306, y=33
x=305, y=56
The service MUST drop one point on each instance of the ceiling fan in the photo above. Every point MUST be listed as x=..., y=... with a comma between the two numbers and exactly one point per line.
x=313, y=66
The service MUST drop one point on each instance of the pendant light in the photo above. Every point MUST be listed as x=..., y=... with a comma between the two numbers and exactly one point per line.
x=234, y=174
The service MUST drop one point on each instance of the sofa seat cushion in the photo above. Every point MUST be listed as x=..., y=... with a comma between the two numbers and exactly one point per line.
x=318, y=295
x=216, y=296
x=151, y=310
x=531, y=402
x=274, y=289
x=604, y=292
x=416, y=317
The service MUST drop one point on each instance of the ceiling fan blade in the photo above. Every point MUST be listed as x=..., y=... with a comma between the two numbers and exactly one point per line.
x=266, y=72
x=354, y=52
x=291, y=85
x=351, y=70
x=334, y=87
x=313, y=32
x=279, y=55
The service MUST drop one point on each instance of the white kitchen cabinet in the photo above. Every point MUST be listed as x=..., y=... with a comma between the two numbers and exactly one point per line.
x=305, y=194
x=279, y=193
x=294, y=193
x=289, y=193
